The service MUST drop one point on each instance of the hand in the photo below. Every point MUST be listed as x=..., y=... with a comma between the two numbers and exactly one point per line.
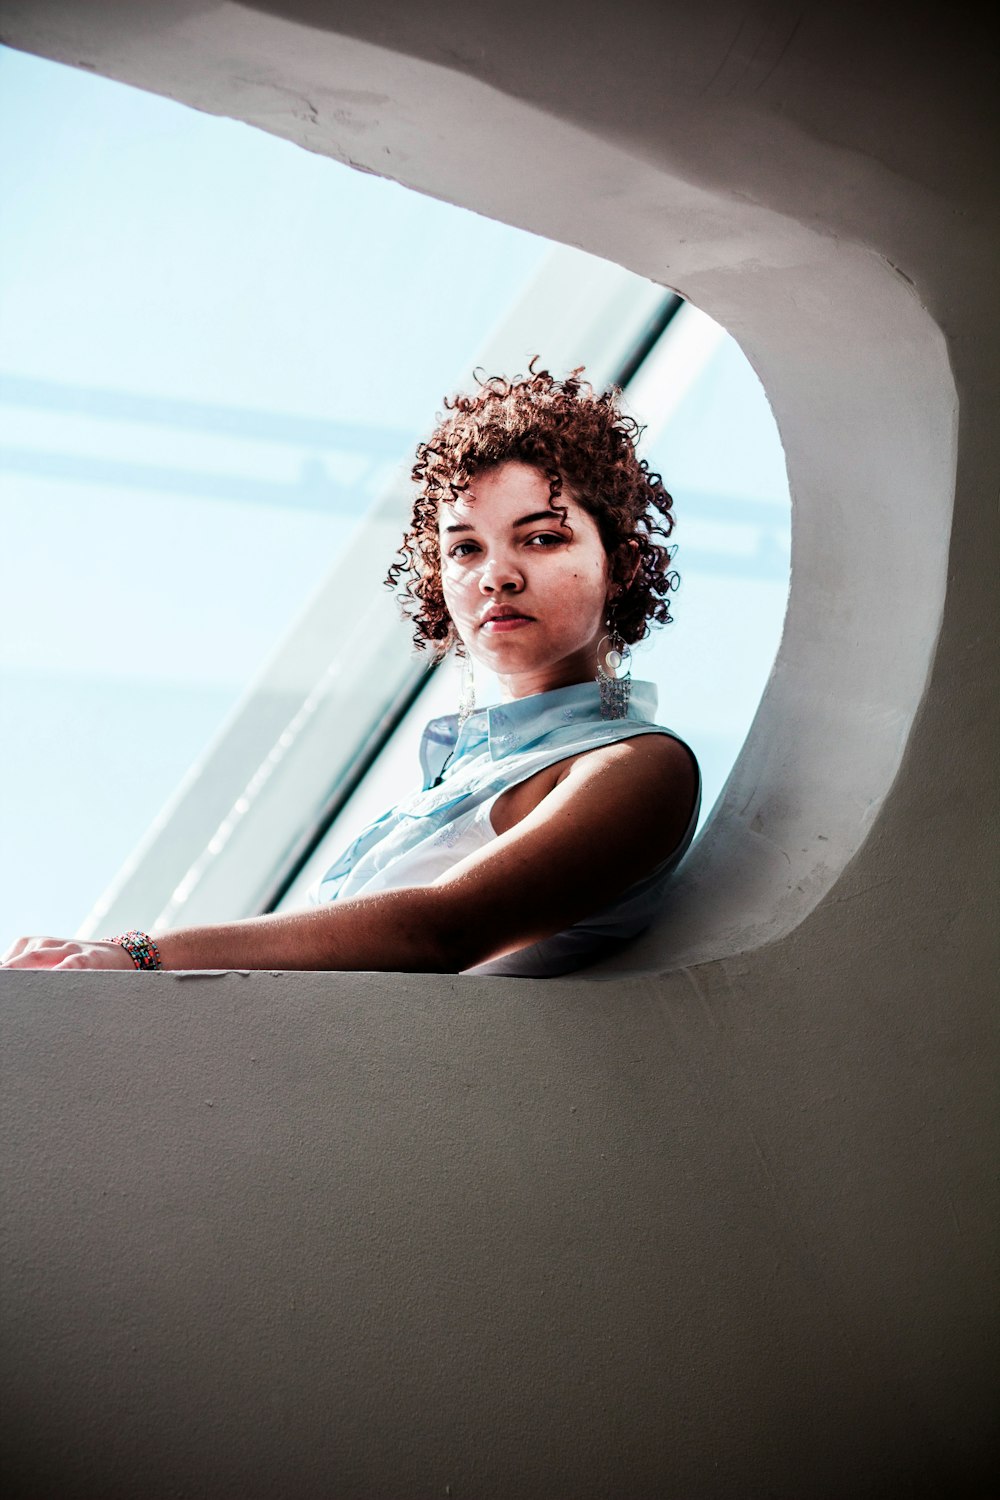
x=64, y=953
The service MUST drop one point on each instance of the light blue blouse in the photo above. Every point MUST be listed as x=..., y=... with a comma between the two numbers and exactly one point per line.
x=464, y=771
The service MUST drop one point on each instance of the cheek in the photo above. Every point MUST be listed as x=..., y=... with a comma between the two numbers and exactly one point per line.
x=458, y=588
x=584, y=584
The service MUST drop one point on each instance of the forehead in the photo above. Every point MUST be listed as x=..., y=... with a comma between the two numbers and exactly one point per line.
x=499, y=495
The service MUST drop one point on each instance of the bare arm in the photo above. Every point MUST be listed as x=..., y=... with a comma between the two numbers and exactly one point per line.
x=396, y=930
x=614, y=815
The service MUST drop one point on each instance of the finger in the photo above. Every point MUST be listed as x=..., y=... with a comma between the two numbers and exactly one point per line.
x=36, y=958
x=16, y=947
x=92, y=956
x=26, y=944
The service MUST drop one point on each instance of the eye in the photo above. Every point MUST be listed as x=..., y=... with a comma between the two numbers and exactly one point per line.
x=457, y=550
x=546, y=539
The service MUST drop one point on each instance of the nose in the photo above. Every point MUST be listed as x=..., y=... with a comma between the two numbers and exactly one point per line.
x=500, y=575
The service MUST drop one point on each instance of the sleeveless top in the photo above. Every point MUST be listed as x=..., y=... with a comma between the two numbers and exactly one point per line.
x=464, y=771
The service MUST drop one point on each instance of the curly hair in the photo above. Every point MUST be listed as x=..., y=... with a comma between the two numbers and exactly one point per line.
x=572, y=436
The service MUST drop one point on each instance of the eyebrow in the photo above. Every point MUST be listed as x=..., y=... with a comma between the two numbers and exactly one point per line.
x=538, y=515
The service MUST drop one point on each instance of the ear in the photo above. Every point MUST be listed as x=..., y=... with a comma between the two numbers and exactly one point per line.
x=628, y=567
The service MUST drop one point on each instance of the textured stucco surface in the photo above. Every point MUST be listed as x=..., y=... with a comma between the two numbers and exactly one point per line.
x=722, y=1227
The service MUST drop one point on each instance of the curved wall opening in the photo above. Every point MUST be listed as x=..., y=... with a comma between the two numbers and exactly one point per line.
x=854, y=367
x=156, y=403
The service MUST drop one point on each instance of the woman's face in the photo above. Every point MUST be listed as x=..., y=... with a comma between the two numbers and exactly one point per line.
x=526, y=591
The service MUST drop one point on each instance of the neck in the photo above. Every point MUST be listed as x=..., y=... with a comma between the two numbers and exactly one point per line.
x=565, y=674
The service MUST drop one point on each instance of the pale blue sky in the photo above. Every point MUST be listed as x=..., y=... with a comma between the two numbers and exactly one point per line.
x=148, y=247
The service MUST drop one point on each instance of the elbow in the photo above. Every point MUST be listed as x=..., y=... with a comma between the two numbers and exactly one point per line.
x=447, y=941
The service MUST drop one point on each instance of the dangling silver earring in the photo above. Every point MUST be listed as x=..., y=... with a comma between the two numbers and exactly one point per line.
x=467, y=695
x=614, y=656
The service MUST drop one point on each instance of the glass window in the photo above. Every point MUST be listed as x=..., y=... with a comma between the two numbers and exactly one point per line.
x=218, y=353
x=216, y=347
x=712, y=436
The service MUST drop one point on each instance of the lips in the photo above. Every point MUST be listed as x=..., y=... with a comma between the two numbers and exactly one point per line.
x=498, y=619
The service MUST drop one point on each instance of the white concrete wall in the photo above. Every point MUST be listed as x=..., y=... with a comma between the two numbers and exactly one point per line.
x=715, y=1223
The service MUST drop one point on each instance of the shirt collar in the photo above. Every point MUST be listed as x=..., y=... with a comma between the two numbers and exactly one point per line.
x=508, y=728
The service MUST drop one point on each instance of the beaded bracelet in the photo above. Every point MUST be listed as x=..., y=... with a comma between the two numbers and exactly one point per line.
x=140, y=948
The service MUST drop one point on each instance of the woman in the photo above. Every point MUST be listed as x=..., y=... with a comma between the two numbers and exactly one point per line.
x=547, y=826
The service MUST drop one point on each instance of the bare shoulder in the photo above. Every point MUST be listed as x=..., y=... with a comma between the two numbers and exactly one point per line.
x=657, y=762
x=650, y=781
x=644, y=772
